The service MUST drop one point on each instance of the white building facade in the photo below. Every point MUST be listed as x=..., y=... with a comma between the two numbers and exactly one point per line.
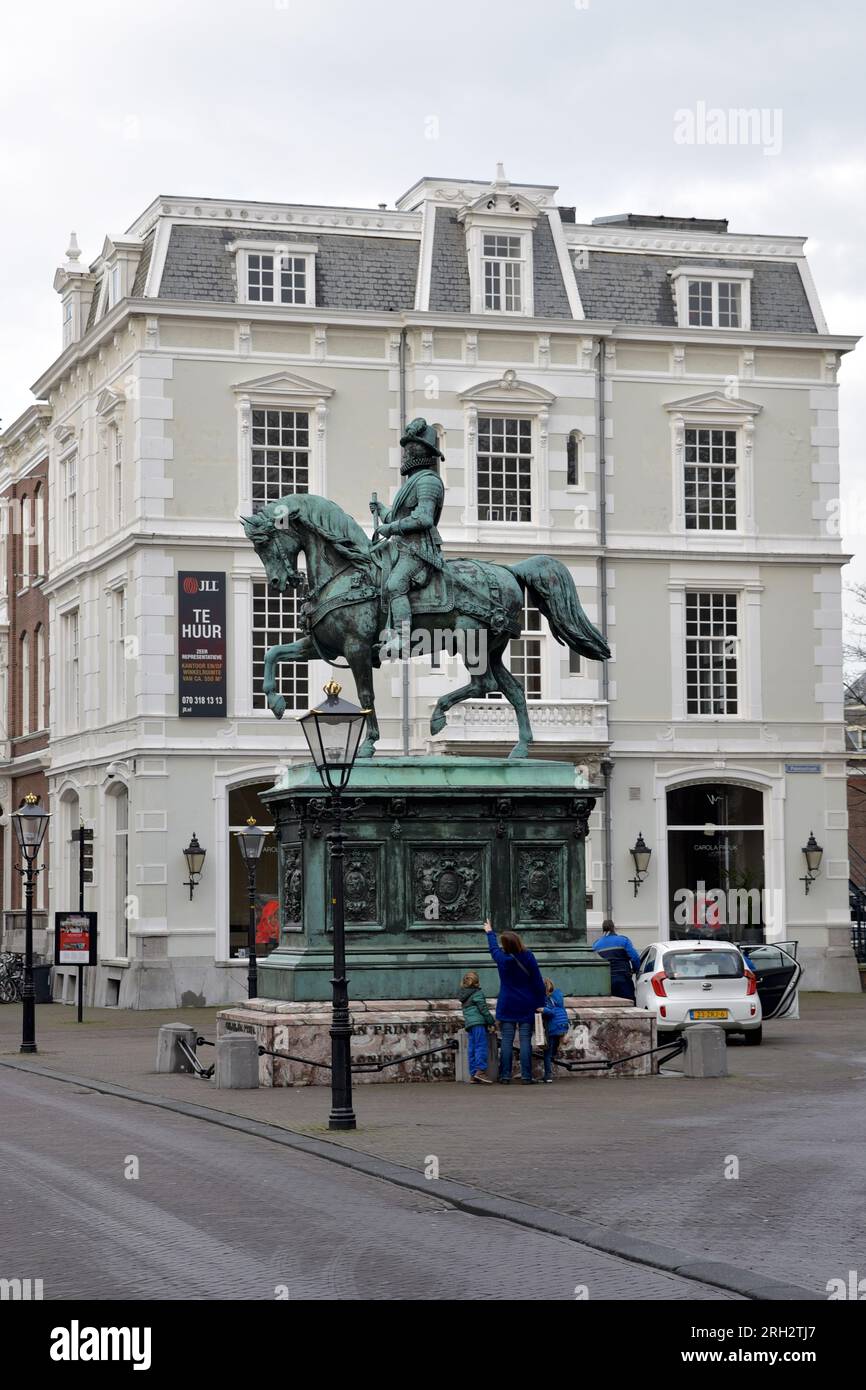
x=652, y=400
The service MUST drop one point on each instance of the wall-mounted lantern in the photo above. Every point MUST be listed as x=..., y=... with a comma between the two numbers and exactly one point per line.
x=813, y=854
x=640, y=853
x=194, y=856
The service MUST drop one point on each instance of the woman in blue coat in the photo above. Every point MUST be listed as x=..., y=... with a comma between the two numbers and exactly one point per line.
x=521, y=996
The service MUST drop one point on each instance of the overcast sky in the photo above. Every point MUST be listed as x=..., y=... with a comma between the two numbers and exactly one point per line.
x=104, y=106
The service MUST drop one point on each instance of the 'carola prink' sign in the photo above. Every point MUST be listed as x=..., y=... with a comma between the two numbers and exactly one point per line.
x=201, y=648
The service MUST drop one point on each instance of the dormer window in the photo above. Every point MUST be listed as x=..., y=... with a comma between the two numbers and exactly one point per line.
x=502, y=259
x=269, y=273
x=712, y=299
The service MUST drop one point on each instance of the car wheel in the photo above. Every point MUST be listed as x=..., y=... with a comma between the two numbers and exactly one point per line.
x=754, y=1036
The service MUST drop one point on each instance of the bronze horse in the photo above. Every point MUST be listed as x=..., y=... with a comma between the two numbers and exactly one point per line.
x=344, y=613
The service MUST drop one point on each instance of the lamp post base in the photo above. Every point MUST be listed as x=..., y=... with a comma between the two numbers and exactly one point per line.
x=28, y=1047
x=342, y=1119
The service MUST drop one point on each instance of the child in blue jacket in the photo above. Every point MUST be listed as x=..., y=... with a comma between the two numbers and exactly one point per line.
x=556, y=1026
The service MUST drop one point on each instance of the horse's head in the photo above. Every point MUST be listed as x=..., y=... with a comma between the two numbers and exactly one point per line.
x=277, y=544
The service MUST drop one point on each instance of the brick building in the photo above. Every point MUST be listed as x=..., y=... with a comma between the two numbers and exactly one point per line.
x=24, y=714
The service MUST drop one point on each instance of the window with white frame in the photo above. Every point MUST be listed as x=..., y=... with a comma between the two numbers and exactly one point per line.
x=504, y=469
x=712, y=653
x=118, y=663
x=26, y=544
x=24, y=723
x=117, y=474
x=42, y=720
x=39, y=527
x=525, y=654
x=72, y=669
x=712, y=298
x=710, y=479
x=276, y=619
x=280, y=454
x=279, y=275
x=574, y=459
x=502, y=268
x=714, y=304
x=69, y=485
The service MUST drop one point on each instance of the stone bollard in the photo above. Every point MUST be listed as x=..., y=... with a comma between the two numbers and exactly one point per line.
x=168, y=1055
x=237, y=1062
x=706, y=1051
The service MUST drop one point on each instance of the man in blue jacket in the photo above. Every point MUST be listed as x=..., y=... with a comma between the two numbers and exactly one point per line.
x=621, y=956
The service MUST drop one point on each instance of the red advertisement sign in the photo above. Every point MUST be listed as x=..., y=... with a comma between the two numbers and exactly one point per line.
x=75, y=938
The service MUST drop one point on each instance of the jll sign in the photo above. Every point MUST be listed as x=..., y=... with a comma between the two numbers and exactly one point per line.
x=201, y=625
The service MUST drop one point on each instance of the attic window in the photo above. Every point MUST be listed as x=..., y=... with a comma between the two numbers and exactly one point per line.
x=269, y=273
x=502, y=261
x=712, y=299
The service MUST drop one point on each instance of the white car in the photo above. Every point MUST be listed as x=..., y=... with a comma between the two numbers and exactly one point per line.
x=698, y=981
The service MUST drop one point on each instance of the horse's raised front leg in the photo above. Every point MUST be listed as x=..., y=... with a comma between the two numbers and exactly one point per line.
x=362, y=670
x=481, y=683
x=516, y=697
x=303, y=650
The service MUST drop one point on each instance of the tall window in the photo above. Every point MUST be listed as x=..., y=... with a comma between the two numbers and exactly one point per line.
x=72, y=663
x=118, y=625
x=714, y=304
x=121, y=868
x=26, y=543
x=574, y=459
x=710, y=480
x=276, y=619
x=502, y=265
x=39, y=527
x=25, y=684
x=278, y=279
x=117, y=475
x=41, y=680
x=280, y=454
x=504, y=468
x=69, y=472
x=712, y=650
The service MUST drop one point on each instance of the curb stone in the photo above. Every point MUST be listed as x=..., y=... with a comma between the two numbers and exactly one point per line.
x=728, y=1277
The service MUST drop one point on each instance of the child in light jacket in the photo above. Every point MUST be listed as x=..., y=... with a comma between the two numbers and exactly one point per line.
x=477, y=1018
x=556, y=1026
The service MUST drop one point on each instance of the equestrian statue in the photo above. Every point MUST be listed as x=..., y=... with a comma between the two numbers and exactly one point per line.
x=369, y=600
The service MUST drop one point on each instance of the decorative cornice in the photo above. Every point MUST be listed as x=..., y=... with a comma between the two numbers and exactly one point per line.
x=712, y=403
x=283, y=384
x=508, y=387
x=648, y=241
x=364, y=221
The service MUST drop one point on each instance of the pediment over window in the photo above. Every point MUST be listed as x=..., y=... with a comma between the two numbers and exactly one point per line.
x=508, y=388
x=713, y=403
x=108, y=401
x=64, y=434
x=500, y=200
x=282, y=386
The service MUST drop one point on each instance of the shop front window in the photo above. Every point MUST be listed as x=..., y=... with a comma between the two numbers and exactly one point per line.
x=243, y=803
x=716, y=862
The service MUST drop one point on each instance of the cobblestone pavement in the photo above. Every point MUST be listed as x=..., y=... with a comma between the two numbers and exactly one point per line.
x=215, y=1214
x=647, y=1157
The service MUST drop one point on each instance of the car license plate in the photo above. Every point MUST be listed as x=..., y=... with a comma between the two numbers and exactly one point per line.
x=709, y=1013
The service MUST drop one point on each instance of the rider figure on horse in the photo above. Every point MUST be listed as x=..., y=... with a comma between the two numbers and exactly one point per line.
x=411, y=522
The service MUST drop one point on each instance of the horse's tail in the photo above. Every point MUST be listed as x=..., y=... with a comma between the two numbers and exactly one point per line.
x=552, y=590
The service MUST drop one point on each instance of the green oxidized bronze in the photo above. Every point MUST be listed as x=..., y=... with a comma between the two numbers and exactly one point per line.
x=370, y=600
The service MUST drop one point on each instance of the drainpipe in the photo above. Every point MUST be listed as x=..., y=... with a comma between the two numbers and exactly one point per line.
x=606, y=764
x=404, y=674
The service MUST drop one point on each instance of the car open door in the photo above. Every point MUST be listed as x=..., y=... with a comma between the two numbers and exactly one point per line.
x=778, y=972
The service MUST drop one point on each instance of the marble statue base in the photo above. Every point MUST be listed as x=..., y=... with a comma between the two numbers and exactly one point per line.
x=602, y=1028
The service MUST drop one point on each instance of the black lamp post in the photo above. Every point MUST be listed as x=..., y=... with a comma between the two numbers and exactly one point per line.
x=813, y=854
x=640, y=853
x=30, y=823
x=251, y=842
x=194, y=856
x=333, y=732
